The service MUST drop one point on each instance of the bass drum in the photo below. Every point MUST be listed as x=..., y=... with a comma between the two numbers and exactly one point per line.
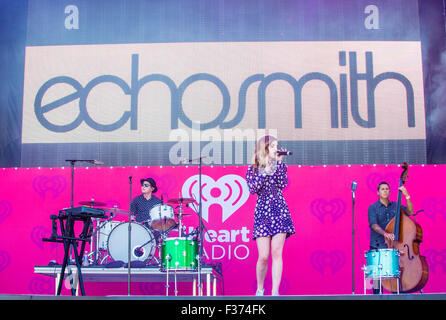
x=143, y=243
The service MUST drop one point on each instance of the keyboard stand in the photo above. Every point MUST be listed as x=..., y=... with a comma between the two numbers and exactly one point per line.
x=67, y=221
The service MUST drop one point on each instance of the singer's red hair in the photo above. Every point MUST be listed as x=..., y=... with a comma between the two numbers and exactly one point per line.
x=262, y=151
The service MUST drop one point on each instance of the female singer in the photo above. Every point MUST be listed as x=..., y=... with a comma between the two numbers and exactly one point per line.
x=266, y=177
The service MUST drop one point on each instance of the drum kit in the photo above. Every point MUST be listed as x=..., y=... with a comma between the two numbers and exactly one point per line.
x=112, y=241
x=177, y=252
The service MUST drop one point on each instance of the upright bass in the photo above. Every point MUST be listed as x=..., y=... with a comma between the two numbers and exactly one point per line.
x=408, y=236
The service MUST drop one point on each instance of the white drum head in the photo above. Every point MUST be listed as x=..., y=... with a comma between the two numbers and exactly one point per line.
x=143, y=243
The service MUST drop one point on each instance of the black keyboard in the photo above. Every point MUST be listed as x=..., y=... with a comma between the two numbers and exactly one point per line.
x=86, y=211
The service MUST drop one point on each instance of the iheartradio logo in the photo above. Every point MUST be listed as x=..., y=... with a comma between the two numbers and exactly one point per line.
x=230, y=192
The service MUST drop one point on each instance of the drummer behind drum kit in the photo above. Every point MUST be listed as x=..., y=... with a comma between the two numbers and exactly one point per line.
x=110, y=241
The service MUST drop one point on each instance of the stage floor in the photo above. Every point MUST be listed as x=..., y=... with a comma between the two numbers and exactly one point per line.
x=357, y=297
x=210, y=275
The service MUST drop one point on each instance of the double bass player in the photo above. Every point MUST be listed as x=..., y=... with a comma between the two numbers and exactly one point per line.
x=379, y=215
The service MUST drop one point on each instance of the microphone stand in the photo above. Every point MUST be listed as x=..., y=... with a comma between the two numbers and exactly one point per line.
x=353, y=187
x=72, y=182
x=200, y=229
x=130, y=238
x=72, y=162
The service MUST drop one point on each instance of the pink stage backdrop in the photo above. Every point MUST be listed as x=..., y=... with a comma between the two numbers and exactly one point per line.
x=317, y=259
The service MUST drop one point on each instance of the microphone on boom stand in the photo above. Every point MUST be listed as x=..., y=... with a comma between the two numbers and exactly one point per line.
x=353, y=187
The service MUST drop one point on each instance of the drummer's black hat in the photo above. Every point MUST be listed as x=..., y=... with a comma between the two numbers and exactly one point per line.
x=152, y=183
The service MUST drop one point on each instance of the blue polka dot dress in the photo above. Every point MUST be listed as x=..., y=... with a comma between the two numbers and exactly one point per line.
x=271, y=213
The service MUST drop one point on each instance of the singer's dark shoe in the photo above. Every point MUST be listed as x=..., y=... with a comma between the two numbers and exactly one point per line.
x=375, y=291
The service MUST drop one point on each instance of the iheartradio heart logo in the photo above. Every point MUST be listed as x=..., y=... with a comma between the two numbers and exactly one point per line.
x=5, y=260
x=56, y=185
x=334, y=260
x=167, y=183
x=41, y=285
x=230, y=192
x=436, y=258
x=38, y=233
x=322, y=207
x=433, y=206
x=375, y=178
x=5, y=210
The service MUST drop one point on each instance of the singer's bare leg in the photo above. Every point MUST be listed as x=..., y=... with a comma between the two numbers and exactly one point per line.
x=264, y=248
x=277, y=243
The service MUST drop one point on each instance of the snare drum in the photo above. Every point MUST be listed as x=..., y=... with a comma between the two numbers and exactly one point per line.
x=382, y=263
x=143, y=243
x=162, y=217
x=179, y=253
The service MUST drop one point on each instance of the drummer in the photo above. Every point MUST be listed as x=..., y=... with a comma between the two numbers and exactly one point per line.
x=379, y=215
x=142, y=204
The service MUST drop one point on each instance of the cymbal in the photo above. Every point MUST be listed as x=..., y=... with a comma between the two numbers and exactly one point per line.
x=181, y=200
x=115, y=211
x=92, y=203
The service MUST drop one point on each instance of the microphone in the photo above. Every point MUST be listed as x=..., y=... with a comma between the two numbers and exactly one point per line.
x=284, y=153
x=96, y=162
x=184, y=160
x=353, y=186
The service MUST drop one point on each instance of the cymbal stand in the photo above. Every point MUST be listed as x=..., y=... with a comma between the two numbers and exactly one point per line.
x=158, y=244
x=95, y=237
x=129, y=261
x=163, y=221
x=168, y=258
x=93, y=255
x=95, y=234
x=176, y=290
x=180, y=221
